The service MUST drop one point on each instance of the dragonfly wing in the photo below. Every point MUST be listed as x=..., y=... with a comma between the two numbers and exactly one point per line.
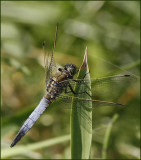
x=107, y=88
x=101, y=81
x=50, y=65
x=66, y=102
x=96, y=103
x=31, y=120
x=103, y=87
x=112, y=88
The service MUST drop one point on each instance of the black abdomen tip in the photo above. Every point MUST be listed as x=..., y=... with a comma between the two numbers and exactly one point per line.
x=12, y=144
x=17, y=138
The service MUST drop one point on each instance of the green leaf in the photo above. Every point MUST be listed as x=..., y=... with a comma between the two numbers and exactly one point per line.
x=81, y=117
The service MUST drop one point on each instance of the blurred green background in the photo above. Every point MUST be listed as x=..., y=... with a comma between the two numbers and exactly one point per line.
x=111, y=32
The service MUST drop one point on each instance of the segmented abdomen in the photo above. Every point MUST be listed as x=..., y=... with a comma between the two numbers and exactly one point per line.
x=31, y=119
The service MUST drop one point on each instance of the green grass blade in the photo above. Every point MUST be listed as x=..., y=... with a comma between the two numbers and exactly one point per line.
x=107, y=136
x=81, y=118
x=126, y=68
x=9, y=152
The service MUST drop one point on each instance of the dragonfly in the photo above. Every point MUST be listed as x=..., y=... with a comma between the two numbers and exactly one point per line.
x=58, y=81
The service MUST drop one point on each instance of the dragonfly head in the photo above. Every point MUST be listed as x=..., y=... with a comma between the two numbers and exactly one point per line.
x=71, y=68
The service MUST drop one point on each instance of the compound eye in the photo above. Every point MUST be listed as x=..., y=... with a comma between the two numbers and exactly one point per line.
x=60, y=69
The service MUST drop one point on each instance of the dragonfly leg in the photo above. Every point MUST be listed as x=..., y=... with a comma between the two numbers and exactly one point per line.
x=71, y=90
x=85, y=92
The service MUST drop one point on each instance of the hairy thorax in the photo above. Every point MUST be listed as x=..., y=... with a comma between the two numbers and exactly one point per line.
x=56, y=85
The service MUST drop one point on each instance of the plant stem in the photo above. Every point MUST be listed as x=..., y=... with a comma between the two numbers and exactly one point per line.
x=107, y=136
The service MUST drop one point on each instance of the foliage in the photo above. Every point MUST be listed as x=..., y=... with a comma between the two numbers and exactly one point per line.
x=81, y=117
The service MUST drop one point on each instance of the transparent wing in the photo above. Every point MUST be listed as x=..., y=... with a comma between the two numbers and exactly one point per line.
x=101, y=81
x=66, y=101
x=50, y=65
x=96, y=103
x=103, y=97
x=107, y=88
